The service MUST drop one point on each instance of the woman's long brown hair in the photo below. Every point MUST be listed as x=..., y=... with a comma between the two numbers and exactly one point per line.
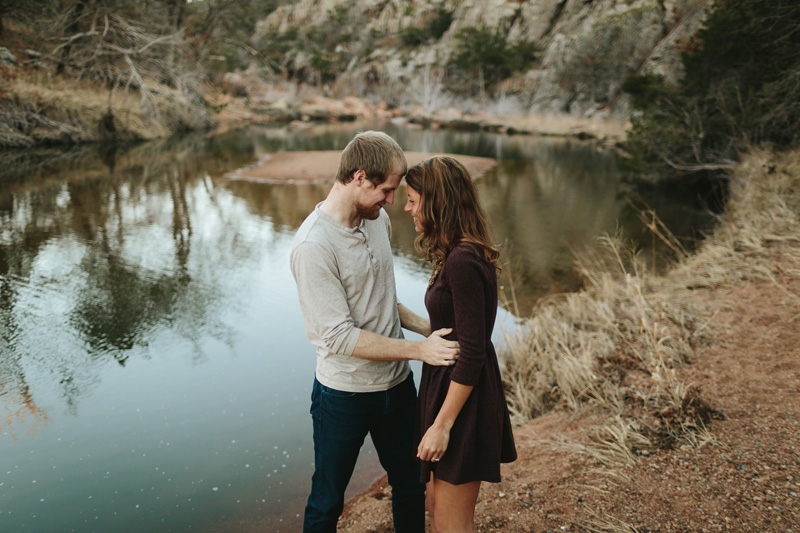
x=449, y=211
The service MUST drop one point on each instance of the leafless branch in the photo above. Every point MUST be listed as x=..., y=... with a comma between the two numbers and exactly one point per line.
x=723, y=165
x=120, y=49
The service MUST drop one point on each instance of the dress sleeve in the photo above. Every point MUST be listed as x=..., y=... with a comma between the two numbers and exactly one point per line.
x=322, y=298
x=468, y=286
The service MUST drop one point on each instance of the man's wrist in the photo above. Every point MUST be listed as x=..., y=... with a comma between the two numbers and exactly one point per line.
x=416, y=351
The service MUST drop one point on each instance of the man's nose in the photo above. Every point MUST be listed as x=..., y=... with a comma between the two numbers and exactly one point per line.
x=390, y=198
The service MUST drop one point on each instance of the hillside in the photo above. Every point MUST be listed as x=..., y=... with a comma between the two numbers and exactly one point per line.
x=537, y=56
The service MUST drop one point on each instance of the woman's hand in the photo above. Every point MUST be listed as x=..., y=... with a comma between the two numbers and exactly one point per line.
x=434, y=443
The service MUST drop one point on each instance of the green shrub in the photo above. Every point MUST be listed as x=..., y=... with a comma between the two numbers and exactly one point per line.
x=645, y=89
x=413, y=36
x=440, y=23
x=432, y=31
x=326, y=64
x=741, y=88
x=488, y=54
x=327, y=59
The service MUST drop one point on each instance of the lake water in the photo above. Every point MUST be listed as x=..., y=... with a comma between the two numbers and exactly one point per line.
x=154, y=369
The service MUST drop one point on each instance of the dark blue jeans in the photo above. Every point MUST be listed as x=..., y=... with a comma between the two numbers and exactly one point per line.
x=341, y=422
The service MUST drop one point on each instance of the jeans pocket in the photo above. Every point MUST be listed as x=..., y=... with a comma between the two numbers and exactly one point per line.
x=338, y=406
x=334, y=393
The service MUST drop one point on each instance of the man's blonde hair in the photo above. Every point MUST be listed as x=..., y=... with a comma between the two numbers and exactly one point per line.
x=374, y=152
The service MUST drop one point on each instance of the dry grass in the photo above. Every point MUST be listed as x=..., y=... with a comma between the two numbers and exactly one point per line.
x=614, y=347
x=606, y=524
x=48, y=108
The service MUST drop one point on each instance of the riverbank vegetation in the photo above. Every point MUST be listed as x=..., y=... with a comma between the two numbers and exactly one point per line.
x=616, y=347
x=107, y=71
x=741, y=89
x=69, y=111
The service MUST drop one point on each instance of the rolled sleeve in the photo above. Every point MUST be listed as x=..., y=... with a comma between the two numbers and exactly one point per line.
x=323, y=301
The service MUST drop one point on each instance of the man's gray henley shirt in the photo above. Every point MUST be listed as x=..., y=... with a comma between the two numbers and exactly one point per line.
x=345, y=283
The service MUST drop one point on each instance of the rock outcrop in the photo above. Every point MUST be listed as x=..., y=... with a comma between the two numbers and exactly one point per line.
x=588, y=47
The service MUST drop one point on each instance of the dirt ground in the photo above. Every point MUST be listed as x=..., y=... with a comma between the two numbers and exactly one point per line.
x=746, y=479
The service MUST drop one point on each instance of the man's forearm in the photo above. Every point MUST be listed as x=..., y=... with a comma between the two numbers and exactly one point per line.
x=379, y=348
x=434, y=350
x=413, y=322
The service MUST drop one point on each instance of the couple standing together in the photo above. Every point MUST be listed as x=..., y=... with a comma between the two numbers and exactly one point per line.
x=436, y=449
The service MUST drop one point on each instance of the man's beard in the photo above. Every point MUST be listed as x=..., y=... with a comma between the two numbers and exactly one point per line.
x=368, y=212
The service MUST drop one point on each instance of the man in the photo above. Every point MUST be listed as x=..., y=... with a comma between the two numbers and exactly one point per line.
x=341, y=260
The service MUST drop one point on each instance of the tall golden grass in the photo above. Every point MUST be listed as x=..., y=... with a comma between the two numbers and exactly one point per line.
x=614, y=347
x=55, y=108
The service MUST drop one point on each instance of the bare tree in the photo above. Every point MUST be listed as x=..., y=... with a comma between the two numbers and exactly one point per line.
x=74, y=16
x=428, y=89
x=124, y=45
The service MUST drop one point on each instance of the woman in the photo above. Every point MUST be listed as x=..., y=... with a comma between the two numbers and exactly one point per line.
x=463, y=427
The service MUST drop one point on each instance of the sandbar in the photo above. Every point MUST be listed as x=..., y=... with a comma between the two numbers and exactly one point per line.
x=320, y=166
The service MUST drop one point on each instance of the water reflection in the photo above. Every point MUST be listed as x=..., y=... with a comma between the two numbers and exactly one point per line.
x=21, y=416
x=547, y=198
x=545, y=208
x=154, y=369
x=285, y=205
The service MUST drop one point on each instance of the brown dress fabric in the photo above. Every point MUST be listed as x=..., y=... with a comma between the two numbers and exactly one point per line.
x=464, y=297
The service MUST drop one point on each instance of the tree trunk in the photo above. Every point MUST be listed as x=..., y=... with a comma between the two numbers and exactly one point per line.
x=72, y=28
x=177, y=13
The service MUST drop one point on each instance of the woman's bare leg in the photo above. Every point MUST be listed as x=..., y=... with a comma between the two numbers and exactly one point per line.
x=454, y=506
x=430, y=503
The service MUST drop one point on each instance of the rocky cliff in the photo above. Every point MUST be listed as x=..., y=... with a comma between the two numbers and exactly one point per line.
x=587, y=48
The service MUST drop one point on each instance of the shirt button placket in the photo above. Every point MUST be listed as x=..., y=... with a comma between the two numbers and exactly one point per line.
x=372, y=260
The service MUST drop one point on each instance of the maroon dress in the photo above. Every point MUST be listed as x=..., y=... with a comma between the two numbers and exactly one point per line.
x=464, y=297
